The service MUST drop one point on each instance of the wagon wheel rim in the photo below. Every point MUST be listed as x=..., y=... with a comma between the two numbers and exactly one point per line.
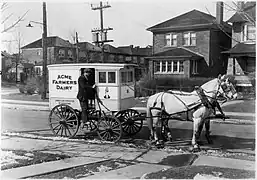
x=63, y=121
x=130, y=125
x=109, y=129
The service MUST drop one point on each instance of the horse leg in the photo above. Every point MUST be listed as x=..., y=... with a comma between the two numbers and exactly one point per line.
x=196, y=134
x=207, y=131
x=158, y=133
x=150, y=123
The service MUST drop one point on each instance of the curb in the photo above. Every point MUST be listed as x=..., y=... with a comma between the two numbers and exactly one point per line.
x=48, y=167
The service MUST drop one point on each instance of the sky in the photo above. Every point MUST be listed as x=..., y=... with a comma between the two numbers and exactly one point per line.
x=128, y=18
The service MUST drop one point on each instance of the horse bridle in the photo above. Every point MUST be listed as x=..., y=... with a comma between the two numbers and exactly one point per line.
x=227, y=87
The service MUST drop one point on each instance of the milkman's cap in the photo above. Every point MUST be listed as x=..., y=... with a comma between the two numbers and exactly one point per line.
x=87, y=70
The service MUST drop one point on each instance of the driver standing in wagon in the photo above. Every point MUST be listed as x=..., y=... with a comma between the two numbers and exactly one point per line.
x=85, y=91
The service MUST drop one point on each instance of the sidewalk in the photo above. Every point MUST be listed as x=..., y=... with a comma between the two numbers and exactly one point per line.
x=145, y=160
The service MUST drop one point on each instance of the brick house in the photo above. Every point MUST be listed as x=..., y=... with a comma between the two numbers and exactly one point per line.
x=190, y=45
x=123, y=54
x=58, y=51
x=242, y=57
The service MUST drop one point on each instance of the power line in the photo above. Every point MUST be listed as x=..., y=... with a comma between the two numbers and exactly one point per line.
x=101, y=31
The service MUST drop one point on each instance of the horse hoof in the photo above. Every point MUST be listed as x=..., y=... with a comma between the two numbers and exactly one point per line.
x=159, y=144
x=195, y=148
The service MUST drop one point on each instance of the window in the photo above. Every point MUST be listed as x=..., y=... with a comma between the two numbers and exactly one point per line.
x=111, y=77
x=171, y=39
x=168, y=39
x=248, y=33
x=107, y=77
x=102, y=77
x=163, y=63
x=175, y=66
x=127, y=77
x=189, y=39
x=61, y=53
x=123, y=77
x=172, y=67
x=70, y=55
x=38, y=71
x=194, y=67
x=130, y=76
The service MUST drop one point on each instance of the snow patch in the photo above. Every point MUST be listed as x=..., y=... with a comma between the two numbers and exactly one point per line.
x=9, y=157
x=103, y=168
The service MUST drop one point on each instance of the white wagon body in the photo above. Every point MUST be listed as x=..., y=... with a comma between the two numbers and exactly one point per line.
x=115, y=84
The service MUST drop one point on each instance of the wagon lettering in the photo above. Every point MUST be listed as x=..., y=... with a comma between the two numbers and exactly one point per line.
x=64, y=77
x=64, y=87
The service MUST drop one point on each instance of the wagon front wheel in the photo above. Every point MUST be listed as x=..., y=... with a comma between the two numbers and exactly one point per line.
x=130, y=121
x=64, y=121
x=109, y=128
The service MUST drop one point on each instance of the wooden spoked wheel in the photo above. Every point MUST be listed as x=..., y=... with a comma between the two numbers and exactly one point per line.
x=63, y=121
x=130, y=121
x=109, y=128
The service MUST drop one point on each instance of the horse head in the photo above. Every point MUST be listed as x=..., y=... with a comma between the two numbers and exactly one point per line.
x=226, y=89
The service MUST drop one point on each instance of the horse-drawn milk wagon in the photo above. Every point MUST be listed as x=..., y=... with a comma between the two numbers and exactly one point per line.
x=109, y=111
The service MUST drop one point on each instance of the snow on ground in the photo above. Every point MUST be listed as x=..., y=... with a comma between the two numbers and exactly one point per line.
x=9, y=157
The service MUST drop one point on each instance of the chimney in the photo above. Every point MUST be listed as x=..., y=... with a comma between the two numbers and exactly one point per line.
x=219, y=12
x=240, y=6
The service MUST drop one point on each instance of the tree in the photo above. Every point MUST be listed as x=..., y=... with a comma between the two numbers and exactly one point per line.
x=7, y=25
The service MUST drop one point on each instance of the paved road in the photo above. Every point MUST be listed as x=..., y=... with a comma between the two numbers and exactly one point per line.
x=228, y=136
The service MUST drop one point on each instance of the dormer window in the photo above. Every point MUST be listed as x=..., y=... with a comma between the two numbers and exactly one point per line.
x=248, y=32
x=171, y=39
x=61, y=53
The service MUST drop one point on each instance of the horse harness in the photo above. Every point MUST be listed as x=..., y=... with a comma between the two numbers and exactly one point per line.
x=203, y=99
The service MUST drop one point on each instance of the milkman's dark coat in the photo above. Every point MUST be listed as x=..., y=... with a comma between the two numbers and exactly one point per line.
x=85, y=89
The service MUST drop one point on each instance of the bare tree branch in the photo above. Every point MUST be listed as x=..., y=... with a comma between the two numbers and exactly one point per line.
x=243, y=14
x=6, y=18
x=15, y=23
x=4, y=6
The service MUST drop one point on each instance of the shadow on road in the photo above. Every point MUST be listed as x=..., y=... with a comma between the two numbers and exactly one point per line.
x=182, y=138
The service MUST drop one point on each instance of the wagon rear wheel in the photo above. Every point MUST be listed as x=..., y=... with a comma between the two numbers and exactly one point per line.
x=130, y=122
x=109, y=128
x=63, y=121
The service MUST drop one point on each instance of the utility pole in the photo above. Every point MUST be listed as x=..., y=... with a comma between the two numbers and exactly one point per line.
x=103, y=31
x=44, y=43
x=77, y=46
x=19, y=55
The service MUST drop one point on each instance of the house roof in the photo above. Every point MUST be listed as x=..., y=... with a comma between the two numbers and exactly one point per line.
x=242, y=48
x=111, y=49
x=27, y=65
x=177, y=52
x=248, y=13
x=136, y=50
x=5, y=54
x=126, y=49
x=52, y=41
x=88, y=46
x=192, y=19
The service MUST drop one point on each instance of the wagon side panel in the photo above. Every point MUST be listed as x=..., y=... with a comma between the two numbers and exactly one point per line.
x=63, y=87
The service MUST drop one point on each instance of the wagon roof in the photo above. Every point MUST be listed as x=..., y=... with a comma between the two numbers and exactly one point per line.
x=93, y=65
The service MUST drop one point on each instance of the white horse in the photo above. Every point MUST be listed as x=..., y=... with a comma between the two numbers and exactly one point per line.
x=173, y=102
